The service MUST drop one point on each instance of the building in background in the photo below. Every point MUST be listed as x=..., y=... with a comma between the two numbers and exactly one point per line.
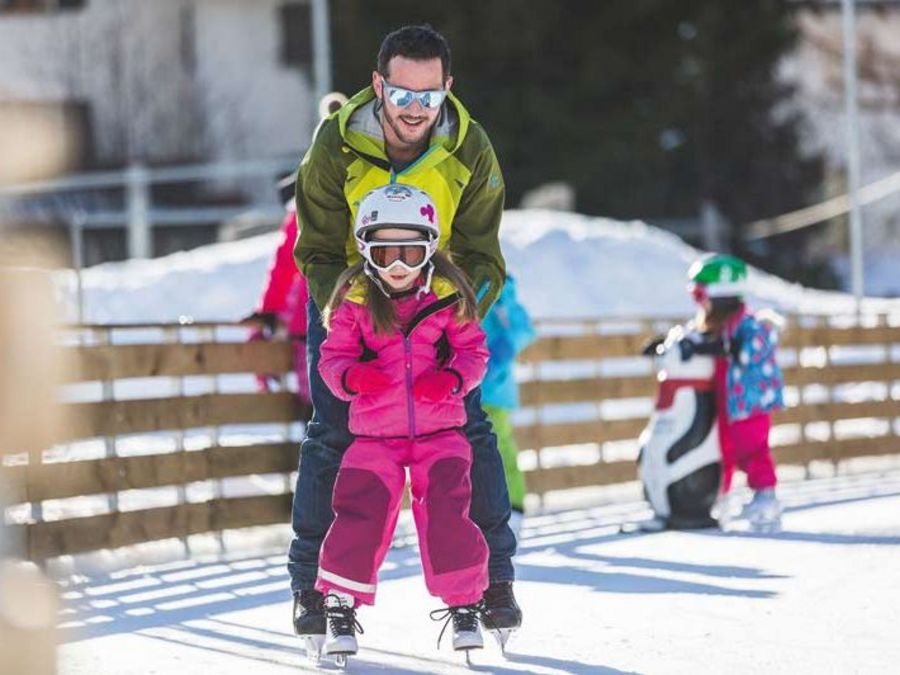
x=166, y=81
x=159, y=83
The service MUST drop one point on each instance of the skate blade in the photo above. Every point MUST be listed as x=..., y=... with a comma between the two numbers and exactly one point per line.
x=342, y=660
x=341, y=647
x=314, y=645
x=502, y=635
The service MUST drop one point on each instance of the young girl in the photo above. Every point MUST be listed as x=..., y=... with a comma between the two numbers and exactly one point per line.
x=403, y=347
x=749, y=382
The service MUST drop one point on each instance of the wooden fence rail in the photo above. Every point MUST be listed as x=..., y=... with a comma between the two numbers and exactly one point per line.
x=559, y=371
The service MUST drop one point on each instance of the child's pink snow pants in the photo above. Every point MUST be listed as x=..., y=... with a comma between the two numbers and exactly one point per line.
x=366, y=502
x=745, y=443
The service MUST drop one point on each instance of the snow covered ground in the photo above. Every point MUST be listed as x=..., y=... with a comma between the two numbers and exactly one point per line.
x=568, y=266
x=823, y=596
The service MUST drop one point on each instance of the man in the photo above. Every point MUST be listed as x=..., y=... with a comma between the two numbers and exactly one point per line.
x=406, y=128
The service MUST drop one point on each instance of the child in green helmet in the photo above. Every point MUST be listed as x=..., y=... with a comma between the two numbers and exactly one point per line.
x=749, y=382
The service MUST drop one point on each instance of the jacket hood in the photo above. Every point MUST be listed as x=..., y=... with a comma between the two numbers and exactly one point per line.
x=359, y=121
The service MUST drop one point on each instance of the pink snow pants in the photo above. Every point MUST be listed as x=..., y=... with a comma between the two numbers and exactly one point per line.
x=366, y=502
x=745, y=443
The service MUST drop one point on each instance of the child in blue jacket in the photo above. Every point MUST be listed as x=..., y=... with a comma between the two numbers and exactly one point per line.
x=509, y=331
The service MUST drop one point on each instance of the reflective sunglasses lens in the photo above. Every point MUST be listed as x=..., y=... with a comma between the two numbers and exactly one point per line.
x=403, y=98
x=400, y=97
x=431, y=99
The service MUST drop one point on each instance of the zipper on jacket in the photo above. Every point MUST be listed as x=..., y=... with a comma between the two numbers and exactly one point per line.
x=407, y=351
x=418, y=160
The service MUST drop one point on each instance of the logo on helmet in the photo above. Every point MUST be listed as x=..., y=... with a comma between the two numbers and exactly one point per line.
x=428, y=212
x=371, y=218
x=397, y=193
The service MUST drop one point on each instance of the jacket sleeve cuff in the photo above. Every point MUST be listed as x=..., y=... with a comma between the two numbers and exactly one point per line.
x=344, y=385
x=459, y=380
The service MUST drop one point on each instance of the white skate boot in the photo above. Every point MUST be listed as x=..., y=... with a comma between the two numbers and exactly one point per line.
x=342, y=628
x=763, y=512
x=722, y=510
x=466, y=627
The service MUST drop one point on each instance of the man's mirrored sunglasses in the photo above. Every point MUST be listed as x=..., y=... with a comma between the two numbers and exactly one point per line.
x=403, y=98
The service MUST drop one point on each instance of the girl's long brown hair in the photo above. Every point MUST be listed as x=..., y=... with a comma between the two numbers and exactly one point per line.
x=380, y=306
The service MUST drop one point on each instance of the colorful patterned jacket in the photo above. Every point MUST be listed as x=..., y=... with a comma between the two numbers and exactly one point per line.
x=754, y=381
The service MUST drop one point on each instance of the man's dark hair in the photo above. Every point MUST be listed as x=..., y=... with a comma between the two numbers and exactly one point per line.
x=419, y=43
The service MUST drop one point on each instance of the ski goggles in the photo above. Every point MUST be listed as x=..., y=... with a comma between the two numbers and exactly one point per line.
x=698, y=292
x=403, y=98
x=413, y=255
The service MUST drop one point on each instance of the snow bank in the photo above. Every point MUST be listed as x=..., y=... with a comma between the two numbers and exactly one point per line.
x=568, y=266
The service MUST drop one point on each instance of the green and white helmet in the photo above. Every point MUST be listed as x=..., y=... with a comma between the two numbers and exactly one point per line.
x=718, y=276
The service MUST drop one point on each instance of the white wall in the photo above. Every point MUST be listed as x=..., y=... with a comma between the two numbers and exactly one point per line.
x=127, y=59
x=254, y=106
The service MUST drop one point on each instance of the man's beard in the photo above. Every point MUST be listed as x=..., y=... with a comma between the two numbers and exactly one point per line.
x=402, y=135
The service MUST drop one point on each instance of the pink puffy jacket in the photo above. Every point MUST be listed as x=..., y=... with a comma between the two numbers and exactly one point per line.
x=404, y=355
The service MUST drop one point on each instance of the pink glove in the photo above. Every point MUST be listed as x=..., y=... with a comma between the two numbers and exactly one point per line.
x=362, y=378
x=436, y=385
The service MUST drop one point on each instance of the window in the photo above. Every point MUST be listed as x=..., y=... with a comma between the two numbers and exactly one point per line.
x=296, y=35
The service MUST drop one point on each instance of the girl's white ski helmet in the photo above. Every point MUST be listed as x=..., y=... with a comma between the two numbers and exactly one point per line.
x=396, y=205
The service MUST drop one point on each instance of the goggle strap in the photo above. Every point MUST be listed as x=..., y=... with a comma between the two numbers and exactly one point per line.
x=373, y=275
x=426, y=287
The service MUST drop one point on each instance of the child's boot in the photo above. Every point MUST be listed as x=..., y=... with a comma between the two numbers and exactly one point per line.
x=764, y=511
x=341, y=642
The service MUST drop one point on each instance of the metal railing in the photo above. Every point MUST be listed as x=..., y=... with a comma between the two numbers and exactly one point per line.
x=139, y=216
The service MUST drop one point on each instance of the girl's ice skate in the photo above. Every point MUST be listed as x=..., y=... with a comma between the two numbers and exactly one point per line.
x=763, y=512
x=342, y=627
x=466, y=628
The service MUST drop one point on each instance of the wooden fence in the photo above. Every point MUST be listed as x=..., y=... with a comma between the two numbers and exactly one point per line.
x=585, y=399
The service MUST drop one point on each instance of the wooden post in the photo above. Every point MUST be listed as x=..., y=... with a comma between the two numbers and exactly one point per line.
x=172, y=335
x=109, y=394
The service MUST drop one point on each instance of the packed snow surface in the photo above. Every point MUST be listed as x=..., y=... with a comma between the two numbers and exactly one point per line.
x=823, y=596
